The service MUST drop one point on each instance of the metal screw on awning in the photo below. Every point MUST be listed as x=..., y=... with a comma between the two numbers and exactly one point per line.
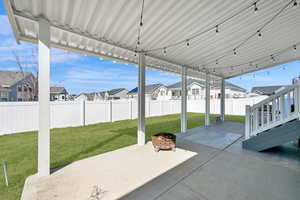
x=5, y=172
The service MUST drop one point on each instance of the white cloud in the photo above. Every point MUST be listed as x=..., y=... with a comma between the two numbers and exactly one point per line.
x=5, y=26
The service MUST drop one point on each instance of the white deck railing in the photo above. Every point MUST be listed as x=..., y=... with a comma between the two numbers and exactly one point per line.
x=273, y=111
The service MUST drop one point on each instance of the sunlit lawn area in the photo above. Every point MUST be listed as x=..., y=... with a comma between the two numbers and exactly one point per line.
x=75, y=143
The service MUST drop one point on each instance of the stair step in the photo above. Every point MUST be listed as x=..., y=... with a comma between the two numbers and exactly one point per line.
x=278, y=135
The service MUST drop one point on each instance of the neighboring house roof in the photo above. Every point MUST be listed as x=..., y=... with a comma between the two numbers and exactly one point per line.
x=89, y=96
x=201, y=82
x=267, y=90
x=149, y=89
x=115, y=91
x=9, y=78
x=58, y=90
x=92, y=96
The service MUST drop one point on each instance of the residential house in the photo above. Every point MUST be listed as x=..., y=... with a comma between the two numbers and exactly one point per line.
x=58, y=94
x=152, y=92
x=114, y=94
x=94, y=96
x=268, y=90
x=196, y=90
x=17, y=86
x=119, y=93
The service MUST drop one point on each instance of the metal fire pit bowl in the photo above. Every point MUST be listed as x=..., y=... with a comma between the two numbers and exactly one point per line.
x=164, y=141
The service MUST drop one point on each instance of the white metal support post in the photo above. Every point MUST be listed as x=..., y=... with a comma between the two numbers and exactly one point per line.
x=183, y=100
x=207, y=99
x=222, y=102
x=44, y=98
x=141, y=100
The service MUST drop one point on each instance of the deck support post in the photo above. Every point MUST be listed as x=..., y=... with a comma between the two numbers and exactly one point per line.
x=44, y=98
x=183, y=100
x=141, y=101
x=222, y=102
x=207, y=99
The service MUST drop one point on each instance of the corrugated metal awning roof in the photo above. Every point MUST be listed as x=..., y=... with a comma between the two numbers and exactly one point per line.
x=184, y=30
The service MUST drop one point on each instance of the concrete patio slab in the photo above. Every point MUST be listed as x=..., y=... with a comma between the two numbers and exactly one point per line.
x=210, y=171
x=113, y=174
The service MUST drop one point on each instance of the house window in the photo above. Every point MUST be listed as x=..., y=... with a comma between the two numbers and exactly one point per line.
x=63, y=97
x=20, y=99
x=19, y=88
x=195, y=91
x=4, y=94
x=25, y=89
x=162, y=93
x=30, y=89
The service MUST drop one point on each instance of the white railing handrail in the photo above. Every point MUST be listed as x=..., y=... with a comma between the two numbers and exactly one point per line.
x=276, y=95
x=273, y=111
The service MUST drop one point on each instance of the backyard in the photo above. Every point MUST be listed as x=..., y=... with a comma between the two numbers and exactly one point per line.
x=75, y=143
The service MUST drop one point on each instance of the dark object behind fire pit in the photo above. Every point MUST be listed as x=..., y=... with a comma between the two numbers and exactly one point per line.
x=164, y=141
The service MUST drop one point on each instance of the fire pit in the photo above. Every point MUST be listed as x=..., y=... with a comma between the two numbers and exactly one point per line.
x=164, y=141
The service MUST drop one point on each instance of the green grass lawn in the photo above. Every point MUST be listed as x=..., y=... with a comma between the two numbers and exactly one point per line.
x=75, y=143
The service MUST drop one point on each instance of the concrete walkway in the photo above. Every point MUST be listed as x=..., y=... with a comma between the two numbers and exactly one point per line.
x=209, y=164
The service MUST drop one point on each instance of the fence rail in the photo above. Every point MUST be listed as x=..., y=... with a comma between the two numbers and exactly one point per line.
x=23, y=116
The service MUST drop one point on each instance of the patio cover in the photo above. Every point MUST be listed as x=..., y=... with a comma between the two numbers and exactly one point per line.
x=222, y=38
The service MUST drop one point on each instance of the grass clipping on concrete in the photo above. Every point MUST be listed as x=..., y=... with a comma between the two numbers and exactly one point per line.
x=75, y=143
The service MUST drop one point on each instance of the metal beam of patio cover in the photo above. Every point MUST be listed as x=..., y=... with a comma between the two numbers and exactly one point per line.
x=44, y=98
x=183, y=100
x=141, y=101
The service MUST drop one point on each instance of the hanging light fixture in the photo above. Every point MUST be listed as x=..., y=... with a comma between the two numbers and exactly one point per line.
x=259, y=34
x=187, y=42
x=294, y=48
x=217, y=28
x=272, y=58
x=295, y=3
x=255, y=7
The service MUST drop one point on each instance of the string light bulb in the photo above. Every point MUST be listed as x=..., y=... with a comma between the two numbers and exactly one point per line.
x=217, y=29
x=217, y=62
x=255, y=7
x=165, y=51
x=295, y=3
x=234, y=52
x=259, y=34
x=135, y=53
x=187, y=42
x=294, y=48
x=272, y=58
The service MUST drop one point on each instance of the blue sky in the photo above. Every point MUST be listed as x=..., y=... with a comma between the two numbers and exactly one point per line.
x=79, y=73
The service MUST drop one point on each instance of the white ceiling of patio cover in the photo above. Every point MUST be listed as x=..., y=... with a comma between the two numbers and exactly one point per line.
x=109, y=29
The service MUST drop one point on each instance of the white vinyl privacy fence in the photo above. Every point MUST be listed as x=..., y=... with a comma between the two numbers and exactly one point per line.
x=23, y=116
